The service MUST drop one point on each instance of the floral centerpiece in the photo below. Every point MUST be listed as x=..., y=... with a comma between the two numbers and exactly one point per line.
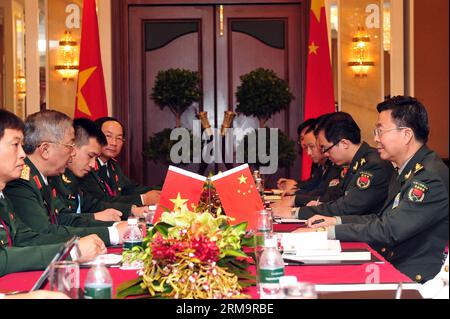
x=192, y=255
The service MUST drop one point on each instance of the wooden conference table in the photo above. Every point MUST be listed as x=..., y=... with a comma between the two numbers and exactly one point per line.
x=316, y=274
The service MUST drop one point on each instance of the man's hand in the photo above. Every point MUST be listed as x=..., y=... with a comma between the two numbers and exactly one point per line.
x=108, y=215
x=139, y=212
x=121, y=228
x=281, y=210
x=90, y=247
x=322, y=221
x=151, y=197
x=314, y=203
x=287, y=185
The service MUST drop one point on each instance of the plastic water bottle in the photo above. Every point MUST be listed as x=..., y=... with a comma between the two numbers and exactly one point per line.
x=98, y=283
x=271, y=268
x=133, y=235
x=263, y=232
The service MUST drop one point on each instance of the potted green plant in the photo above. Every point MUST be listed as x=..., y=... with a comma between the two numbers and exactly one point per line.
x=262, y=94
x=177, y=90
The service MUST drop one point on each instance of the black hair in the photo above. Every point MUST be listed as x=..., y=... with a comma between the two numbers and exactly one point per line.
x=86, y=129
x=103, y=120
x=11, y=121
x=319, y=122
x=407, y=111
x=305, y=124
x=338, y=126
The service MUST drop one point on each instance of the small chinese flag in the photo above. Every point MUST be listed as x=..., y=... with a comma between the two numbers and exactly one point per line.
x=91, y=94
x=319, y=97
x=180, y=188
x=238, y=194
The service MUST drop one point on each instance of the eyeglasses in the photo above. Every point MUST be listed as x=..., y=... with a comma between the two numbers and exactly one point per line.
x=326, y=150
x=378, y=131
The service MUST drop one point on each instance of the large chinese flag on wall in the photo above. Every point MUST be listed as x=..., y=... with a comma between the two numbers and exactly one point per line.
x=91, y=94
x=319, y=80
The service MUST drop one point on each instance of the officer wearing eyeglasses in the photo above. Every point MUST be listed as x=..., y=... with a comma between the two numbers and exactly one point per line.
x=365, y=185
x=411, y=229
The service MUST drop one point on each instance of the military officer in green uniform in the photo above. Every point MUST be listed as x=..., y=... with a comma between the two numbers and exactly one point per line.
x=89, y=140
x=411, y=229
x=107, y=181
x=21, y=248
x=365, y=184
x=49, y=144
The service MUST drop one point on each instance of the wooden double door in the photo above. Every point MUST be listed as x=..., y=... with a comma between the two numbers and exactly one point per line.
x=220, y=42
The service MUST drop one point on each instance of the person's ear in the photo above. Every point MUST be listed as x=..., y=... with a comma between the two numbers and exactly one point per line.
x=44, y=150
x=408, y=135
x=345, y=144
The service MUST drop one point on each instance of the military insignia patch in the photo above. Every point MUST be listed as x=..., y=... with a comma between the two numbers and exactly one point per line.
x=65, y=179
x=418, y=168
x=355, y=167
x=25, y=174
x=334, y=182
x=362, y=162
x=416, y=192
x=363, y=181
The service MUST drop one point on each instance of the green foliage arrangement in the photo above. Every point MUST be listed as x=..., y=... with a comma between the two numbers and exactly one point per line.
x=262, y=94
x=176, y=89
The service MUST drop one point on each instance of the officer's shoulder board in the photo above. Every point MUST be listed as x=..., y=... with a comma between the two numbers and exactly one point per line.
x=25, y=174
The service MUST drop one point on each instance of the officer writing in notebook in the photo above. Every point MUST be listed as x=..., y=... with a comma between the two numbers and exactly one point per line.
x=411, y=229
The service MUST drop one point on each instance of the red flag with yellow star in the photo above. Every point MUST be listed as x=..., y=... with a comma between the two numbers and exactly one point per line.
x=91, y=94
x=238, y=194
x=180, y=188
x=319, y=80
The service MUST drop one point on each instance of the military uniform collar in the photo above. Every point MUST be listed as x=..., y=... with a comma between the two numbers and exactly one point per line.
x=1, y=195
x=35, y=173
x=415, y=164
x=359, y=159
x=101, y=163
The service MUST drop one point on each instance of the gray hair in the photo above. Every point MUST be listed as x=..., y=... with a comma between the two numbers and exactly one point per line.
x=45, y=126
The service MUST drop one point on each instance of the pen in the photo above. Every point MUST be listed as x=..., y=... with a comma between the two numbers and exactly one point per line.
x=318, y=221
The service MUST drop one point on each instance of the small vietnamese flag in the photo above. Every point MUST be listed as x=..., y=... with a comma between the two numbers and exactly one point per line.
x=180, y=188
x=238, y=194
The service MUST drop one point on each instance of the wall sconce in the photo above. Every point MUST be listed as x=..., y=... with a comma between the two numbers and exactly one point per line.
x=227, y=121
x=21, y=85
x=361, y=63
x=68, y=67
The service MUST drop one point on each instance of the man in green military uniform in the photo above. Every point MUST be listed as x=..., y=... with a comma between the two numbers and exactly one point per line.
x=107, y=181
x=21, y=248
x=49, y=143
x=365, y=184
x=89, y=140
x=411, y=229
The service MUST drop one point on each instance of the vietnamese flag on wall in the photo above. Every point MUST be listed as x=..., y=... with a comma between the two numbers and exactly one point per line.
x=91, y=94
x=180, y=188
x=319, y=80
x=238, y=194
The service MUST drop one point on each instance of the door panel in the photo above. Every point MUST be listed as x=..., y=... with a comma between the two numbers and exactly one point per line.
x=163, y=37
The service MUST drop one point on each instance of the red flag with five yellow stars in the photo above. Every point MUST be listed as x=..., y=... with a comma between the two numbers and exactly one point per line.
x=180, y=188
x=91, y=94
x=238, y=194
x=319, y=80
